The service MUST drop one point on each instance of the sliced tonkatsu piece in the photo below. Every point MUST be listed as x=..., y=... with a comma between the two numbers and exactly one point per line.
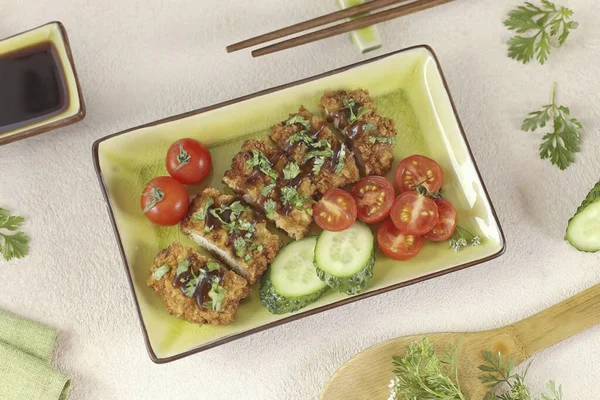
x=316, y=151
x=258, y=174
x=233, y=231
x=196, y=288
x=369, y=135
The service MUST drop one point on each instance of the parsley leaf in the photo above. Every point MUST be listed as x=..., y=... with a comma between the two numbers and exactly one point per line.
x=201, y=214
x=262, y=162
x=182, y=266
x=15, y=245
x=290, y=196
x=298, y=119
x=269, y=206
x=318, y=164
x=217, y=296
x=291, y=170
x=561, y=144
x=381, y=139
x=369, y=126
x=341, y=160
x=267, y=189
x=537, y=25
x=160, y=272
x=212, y=265
x=239, y=244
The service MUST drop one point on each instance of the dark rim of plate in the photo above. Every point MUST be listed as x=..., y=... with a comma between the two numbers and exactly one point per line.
x=78, y=116
x=317, y=310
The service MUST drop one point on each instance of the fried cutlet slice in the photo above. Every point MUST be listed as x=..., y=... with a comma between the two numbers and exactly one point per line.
x=317, y=151
x=369, y=135
x=257, y=174
x=196, y=288
x=233, y=231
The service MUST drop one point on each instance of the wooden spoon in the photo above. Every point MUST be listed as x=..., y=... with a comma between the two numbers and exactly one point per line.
x=367, y=375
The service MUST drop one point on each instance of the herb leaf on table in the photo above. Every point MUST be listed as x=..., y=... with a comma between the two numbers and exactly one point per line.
x=12, y=245
x=561, y=144
x=537, y=25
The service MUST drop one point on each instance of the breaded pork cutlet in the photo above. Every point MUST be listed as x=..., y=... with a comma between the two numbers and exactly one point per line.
x=196, y=288
x=369, y=135
x=233, y=231
x=259, y=173
x=317, y=151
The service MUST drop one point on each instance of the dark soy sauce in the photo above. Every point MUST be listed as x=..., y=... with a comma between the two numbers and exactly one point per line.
x=32, y=86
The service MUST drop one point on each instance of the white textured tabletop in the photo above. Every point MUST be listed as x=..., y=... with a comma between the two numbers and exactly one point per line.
x=141, y=60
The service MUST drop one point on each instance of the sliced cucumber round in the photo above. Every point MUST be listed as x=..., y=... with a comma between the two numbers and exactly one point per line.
x=344, y=260
x=291, y=282
x=583, y=230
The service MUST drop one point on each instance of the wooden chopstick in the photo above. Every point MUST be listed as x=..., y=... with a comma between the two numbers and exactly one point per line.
x=372, y=19
x=313, y=23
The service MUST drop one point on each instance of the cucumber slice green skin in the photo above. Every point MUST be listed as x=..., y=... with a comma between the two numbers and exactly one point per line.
x=291, y=282
x=353, y=284
x=351, y=275
x=574, y=235
x=278, y=304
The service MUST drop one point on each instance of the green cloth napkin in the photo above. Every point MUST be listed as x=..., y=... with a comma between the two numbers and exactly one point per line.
x=25, y=369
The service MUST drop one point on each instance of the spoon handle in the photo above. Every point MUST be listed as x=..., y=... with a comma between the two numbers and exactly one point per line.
x=559, y=322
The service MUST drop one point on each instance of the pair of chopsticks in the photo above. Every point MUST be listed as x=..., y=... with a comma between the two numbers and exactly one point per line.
x=386, y=15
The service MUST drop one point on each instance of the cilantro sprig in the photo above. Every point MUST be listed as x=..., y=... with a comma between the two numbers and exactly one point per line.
x=497, y=370
x=13, y=243
x=537, y=26
x=563, y=141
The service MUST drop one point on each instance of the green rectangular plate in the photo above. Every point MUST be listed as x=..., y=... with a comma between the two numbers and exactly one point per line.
x=408, y=87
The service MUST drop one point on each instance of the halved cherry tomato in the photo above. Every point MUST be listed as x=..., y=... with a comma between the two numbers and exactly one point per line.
x=414, y=214
x=165, y=201
x=336, y=211
x=397, y=245
x=188, y=161
x=446, y=224
x=374, y=196
x=419, y=170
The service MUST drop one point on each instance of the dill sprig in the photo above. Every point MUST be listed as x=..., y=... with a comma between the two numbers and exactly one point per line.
x=421, y=374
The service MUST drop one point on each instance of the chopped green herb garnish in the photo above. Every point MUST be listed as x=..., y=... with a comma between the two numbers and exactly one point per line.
x=341, y=159
x=267, y=189
x=160, y=272
x=182, y=266
x=207, y=229
x=317, y=165
x=290, y=196
x=248, y=258
x=301, y=136
x=269, y=206
x=217, y=295
x=212, y=266
x=262, y=162
x=350, y=104
x=239, y=244
x=16, y=245
x=327, y=153
x=381, y=139
x=369, y=126
x=201, y=214
x=291, y=170
x=298, y=119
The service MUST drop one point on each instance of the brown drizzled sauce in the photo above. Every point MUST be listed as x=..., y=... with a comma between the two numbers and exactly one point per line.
x=213, y=223
x=201, y=294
